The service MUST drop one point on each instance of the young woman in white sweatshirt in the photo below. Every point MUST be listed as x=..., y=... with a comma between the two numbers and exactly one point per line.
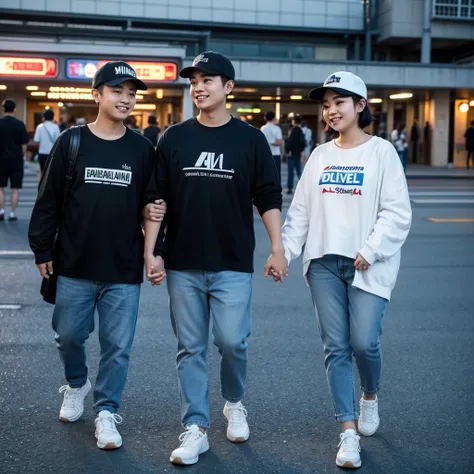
x=351, y=212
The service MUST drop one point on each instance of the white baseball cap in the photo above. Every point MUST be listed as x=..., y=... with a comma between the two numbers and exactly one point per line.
x=343, y=82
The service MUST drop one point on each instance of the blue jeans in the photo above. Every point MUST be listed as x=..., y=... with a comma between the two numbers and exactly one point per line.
x=294, y=163
x=403, y=157
x=195, y=296
x=350, y=323
x=73, y=321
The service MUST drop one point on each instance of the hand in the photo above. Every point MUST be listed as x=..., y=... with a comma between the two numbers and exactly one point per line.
x=276, y=266
x=155, y=273
x=155, y=211
x=45, y=269
x=361, y=263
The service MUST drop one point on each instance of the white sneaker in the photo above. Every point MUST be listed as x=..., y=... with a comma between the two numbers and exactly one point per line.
x=106, y=432
x=238, y=428
x=348, y=455
x=193, y=443
x=73, y=402
x=369, y=419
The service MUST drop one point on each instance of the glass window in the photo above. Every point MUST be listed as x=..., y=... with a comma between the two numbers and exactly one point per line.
x=221, y=46
x=272, y=50
x=455, y=9
x=303, y=52
x=249, y=50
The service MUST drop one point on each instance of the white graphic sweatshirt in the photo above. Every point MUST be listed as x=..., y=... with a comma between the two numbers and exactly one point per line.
x=349, y=201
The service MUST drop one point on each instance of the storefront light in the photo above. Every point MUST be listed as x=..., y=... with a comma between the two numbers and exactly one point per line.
x=228, y=106
x=32, y=88
x=231, y=97
x=296, y=97
x=145, y=107
x=256, y=111
x=403, y=95
x=60, y=104
x=83, y=90
x=38, y=94
x=266, y=97
x=68, y=96
x=471, y=104
x=139, y=97
x=159, y=93
x=3, y=87
x=375, y=100
x=464, y=107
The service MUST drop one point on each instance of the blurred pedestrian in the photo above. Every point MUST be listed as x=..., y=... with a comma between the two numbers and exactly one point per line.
x=212, y=170
x=295, y=147
x=46, y=134
x=399, y=140
x=414, y=138
x=469, y=136
x=308, y=135
x=274, y=138
x=13, y=140
x=351, y=213
x=152, y=132
x=99, y=252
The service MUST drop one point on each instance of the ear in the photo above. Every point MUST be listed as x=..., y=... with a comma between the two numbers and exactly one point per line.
x=96, y=96
x=229, y=86
x=361, y=105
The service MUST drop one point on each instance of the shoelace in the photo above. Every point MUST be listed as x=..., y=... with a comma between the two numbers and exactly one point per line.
x=189, y=436
x=70, y=397
x=349, y=443
x=238, y=415
x=368, y=412
x=108, y=422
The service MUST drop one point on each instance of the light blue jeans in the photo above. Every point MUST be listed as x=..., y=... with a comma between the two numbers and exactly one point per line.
x=73, y=321
x=195, y=297
x=350, y=323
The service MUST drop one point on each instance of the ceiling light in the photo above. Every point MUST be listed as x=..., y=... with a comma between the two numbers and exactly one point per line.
x=32, y=88
x=266, y=97
x=375, y=100
x=230, y=97
x=159, y=93
x=464, y=107
x=296, y=97
x=139, y=97
x=256, y=111
x=228, y=106
x=471, y=103
x=3, y=87
x=403, y=95
x=60, y=104
x=145, y=107
x=38, y=94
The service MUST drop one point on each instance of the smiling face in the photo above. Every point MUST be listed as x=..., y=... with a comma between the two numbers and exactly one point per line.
x=116, y=102
x=340, y=112
x=208, y=92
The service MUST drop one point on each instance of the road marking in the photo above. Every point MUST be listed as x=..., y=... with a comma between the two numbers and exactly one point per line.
x=16, y=252
x=451, y=219
x=442, y=201
x=10, y=306
x=442, y=194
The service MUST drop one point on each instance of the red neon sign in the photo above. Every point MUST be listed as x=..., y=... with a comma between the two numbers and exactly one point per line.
x=28, y=67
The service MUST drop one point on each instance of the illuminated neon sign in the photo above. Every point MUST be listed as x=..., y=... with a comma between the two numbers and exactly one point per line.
x=146, y=70
x=28, y=67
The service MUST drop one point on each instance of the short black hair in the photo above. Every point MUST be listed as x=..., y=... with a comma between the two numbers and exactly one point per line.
x=9, y=105
x=365, y=117
x=269, y=116
x=152, y=120
x=48, y=114
x=297, y=119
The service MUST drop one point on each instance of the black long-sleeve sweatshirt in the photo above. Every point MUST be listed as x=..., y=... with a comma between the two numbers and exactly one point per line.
x=100, y=236
x=210, y=178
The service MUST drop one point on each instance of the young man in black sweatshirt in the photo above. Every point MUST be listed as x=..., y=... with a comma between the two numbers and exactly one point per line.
x=211, y=170
x=100, y=256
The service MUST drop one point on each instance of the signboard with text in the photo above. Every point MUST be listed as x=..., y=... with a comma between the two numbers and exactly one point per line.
x=28, y=67
x=146, y=70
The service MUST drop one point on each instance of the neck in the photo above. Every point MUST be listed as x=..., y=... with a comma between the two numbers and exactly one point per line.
x=214, y=118
x=352, y=137
x=105, y=127
x=9, y=114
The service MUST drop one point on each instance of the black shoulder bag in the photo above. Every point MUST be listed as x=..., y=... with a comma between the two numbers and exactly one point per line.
x=48, y=285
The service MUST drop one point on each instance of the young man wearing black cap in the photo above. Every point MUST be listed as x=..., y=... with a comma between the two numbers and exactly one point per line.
x=13, y=139
x=100, y=257
x=211, y=170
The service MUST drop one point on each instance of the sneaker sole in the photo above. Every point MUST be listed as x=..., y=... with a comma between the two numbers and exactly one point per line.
x=187, y=462
x=109, y=446
x=349, y=464
x=240, y=439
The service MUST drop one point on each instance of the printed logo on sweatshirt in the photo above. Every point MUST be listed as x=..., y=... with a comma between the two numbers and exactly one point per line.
x=208, y=165
x=121, y=177
x=338, y=176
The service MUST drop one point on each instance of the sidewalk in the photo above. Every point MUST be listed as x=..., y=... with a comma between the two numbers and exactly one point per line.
x=429, y=172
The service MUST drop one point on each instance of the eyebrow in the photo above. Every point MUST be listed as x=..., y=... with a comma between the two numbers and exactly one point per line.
x=203, y=75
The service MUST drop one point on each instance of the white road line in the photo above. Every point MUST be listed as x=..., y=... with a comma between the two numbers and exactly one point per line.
x=10, y=306
x=442, y=194
x=442, y=201
x=16, y=252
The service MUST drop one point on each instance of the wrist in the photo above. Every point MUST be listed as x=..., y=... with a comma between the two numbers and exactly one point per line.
x=279, y=250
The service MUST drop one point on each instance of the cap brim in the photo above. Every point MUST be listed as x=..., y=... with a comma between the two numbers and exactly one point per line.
x=318, y=93
x=140, y=85
x=187, y=72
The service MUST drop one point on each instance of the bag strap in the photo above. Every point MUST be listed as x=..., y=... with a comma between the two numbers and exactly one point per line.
x=49, y=134
x=74, y=144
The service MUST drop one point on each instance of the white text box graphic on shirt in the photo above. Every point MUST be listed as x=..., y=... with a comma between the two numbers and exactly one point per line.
x=107, y=176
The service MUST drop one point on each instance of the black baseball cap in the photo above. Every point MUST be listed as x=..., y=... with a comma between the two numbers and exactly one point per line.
x=212, y=63
x=114, y=73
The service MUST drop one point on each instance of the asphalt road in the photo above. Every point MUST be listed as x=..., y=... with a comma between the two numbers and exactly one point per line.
x=426, y=402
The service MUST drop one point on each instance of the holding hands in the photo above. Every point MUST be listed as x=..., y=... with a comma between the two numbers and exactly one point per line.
x=276, y=266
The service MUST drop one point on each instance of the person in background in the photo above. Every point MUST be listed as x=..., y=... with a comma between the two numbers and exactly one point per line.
x=152, y=132
x=46, y=134
x=295, y=145
x=13, y=140
x=308, y=135
x=61, y=124
x=414, y=138
x=469, y=136
x=399, y=140
x=274, y=138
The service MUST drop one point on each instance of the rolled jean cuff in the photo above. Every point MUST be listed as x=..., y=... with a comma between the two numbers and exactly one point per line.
x=78, y=384
x=200, y=423
x=347, y=417
x=105, y=407
x=233, y=400
x=370, y=392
